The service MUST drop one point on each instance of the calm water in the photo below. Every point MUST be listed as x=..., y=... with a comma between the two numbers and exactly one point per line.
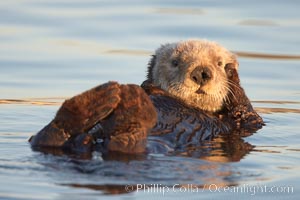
x=52, y=50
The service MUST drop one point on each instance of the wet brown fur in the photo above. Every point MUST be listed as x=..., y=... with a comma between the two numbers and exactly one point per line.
x=127, y=115
x=124, y=111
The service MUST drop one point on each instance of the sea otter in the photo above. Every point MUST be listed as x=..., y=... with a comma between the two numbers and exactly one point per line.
x=192, y=93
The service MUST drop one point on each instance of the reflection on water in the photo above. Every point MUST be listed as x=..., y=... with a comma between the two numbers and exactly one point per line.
x=36, y=101
x=267, y=56
x=252, y=22
x=278, y=110
x=52, y=50
x=180, y=11
x=111, y=174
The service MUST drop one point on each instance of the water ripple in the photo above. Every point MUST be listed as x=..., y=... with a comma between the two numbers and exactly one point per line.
x=34, y=101
x=267, y=56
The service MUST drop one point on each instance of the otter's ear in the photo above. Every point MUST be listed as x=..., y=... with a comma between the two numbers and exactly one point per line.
x=232, y=74
x=231, y=68
x=232, y=61
x=151, y=65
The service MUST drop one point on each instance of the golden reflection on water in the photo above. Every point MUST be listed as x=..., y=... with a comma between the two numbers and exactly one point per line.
x=277, y=110
x=267, y=56
x=277, y=102
x=34, y=101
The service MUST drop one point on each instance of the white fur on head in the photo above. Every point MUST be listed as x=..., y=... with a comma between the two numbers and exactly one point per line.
x=172, y=64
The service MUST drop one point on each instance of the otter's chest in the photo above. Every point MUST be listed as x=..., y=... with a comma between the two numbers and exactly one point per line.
x=179, y=125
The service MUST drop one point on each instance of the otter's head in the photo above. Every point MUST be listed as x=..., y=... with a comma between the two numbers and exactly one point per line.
x=193, y=71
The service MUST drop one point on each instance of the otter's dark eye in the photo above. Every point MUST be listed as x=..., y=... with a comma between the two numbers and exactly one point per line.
x=175, y=63
x=220, y=63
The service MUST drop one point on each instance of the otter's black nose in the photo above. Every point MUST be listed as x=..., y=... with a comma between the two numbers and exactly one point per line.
x=201, y=75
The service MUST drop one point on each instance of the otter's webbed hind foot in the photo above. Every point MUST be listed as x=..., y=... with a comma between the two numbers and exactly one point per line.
x=78, y=114
x=113, y=116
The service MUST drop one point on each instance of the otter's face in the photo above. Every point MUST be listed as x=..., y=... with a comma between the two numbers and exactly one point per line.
x=193, y=71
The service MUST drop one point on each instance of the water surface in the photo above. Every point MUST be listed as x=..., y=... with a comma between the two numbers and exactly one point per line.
x=52, y=50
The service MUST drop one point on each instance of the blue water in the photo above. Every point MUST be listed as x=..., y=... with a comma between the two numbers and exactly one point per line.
x=52, y=50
